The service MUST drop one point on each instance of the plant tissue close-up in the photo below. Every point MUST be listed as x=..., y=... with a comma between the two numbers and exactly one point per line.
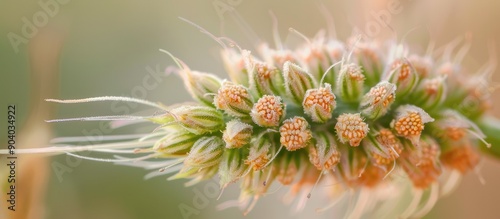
x=249, y=109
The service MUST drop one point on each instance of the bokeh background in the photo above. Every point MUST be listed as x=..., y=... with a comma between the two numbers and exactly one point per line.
x=95, y=48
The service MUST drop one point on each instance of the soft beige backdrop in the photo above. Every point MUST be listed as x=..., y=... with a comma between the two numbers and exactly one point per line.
x=108, y=46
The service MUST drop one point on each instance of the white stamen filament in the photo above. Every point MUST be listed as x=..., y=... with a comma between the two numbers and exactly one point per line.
x=327, y=71
x=111, y=160
x=205, y=32
x=63, y=149
x=417, y=196
x=101, y=118
x=108, y=98
x=91, y=139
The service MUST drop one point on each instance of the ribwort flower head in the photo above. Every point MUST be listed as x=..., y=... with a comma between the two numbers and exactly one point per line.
x=351, y=129
x=348, y=113
x=206, y=152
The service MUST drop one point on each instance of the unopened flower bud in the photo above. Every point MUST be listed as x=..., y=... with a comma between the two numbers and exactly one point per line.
x=264, y=79
x=378, y=100
x=350, y=82
x=319, y=103
x=176, y=143
x=403, y=75
x=351, y=129
x=195, y=119
x=324, y=154
x=268, y=111
x=232, y=166
x=197, y=174
x=200, y=85
x=261, y=150
x=384, y=147
x=297, y=81
x=409, y=122
x=430, y=93
x=234, y=100
x=295, y=133
x=453, y=127
x=287, y=167
x=234, y=63
x=206, y=152
x=237, y=134
x=370, y=59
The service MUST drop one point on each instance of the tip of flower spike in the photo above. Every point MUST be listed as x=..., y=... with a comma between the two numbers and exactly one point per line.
x=322, y=162
x=351, y=128
x=295, y=133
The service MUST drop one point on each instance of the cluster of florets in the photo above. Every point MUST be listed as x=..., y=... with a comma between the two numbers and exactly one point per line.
x=357, y=114
x=358, y=111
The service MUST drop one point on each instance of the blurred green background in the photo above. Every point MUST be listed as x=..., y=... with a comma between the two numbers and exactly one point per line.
x=96, y=48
